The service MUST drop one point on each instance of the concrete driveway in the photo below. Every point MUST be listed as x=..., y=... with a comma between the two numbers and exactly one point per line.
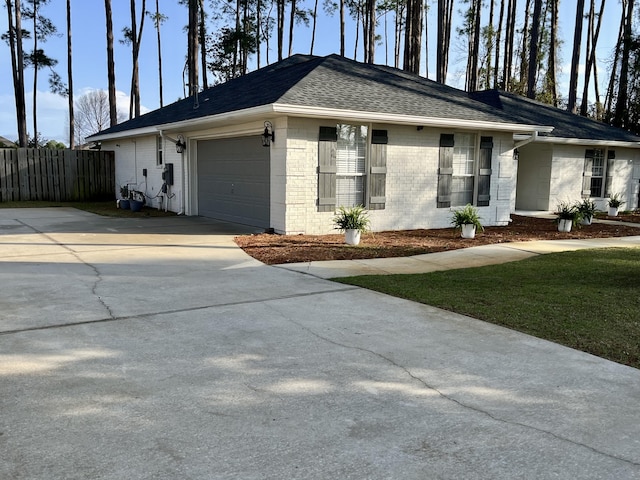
x=154, y=348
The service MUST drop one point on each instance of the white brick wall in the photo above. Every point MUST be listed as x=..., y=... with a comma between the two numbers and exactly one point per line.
x=132, y=156
x=566, y=176
x=411, y=183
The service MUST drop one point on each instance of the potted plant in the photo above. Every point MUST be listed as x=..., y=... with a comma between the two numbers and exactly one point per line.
x=568, y=216
x=467, y=220
x=353, y=222
x=586, y=209
x=124, y=201
x=615, y=202
x=136, y=200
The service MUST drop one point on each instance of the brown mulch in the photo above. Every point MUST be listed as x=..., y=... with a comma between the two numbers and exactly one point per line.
x=275, y=249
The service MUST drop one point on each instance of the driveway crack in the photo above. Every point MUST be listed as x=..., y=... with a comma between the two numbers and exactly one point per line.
x=456, y=401
x=76, y=255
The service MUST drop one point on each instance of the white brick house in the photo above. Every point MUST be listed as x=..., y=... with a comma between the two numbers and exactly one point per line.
x=344, y=133
x=580, y=158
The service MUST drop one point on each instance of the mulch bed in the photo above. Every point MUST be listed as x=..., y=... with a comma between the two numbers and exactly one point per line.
x=275, y=249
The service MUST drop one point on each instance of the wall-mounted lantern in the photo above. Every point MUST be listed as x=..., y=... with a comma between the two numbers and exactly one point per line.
x=268, y=136
x=181, y=146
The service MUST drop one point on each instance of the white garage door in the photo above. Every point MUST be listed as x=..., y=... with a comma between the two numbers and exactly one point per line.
x=233, y=180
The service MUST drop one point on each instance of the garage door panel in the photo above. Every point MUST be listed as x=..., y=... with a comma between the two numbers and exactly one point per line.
x=233, y=180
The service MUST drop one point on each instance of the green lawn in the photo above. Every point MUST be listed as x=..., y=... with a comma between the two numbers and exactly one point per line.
x=588, y=300
x=103, y=208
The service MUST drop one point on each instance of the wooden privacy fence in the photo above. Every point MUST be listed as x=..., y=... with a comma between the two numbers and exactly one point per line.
x=56, y=175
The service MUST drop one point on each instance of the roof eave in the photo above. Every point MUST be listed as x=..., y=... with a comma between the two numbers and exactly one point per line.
x=394, y=118
x=585, y=142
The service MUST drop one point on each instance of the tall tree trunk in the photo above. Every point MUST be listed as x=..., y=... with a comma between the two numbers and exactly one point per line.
x=192, y=48
x=496, y=68
x=111, y=68
x=552, y=87
x=202, y=32
x=258, y=36
x=445, y=10
x=371, y=43
x=292, y=21
x=524, y=48
x=413, y=36
x=17, y=62
x=72, y=141
x=508, y=45
x=575, y=59
x=475, y=47
x=35, y=73
x=594, y=33
x=342, y=28
x=622, y=107
x=609, y=97
x=280, y=33
x=489, y=45
x=313, y=31
x=533, y=49
x=158, y=21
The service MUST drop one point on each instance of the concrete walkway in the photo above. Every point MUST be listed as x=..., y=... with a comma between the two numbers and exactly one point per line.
x=154, y=348
x=462, y=258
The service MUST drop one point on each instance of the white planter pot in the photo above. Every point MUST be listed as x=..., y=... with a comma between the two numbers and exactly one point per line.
x=564, y=225
x=613, y=211
x=352, y=237
x=468, y=230
x=586, y=220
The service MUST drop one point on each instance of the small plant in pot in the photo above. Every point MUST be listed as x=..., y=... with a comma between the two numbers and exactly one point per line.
x=568, y=216
x=467, y=220
x=615, y=202
x=352, y=221
x=124, y=201
x=587, y=210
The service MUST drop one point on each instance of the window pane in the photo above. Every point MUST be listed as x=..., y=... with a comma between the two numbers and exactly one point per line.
x=350, y=165
x=596, y=186
x=464, y=169
x=351, y=149
x=461, y=191
x=349, y=191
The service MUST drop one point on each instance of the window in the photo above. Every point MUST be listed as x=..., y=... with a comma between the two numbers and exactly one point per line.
x=598, y=173
x=464, y=173
x=159, y=144
x=464, y=167
x=352, y=167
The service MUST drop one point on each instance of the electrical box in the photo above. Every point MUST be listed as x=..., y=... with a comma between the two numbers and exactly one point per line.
x=144, y=172
x=167, y=173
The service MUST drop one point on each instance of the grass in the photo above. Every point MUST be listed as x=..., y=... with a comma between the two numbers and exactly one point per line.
x=588, y=300
x=104, y=208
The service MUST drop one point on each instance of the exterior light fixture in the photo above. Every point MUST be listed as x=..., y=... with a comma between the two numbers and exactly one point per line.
x=181, y=146
x=268, y=136
x=516, y=154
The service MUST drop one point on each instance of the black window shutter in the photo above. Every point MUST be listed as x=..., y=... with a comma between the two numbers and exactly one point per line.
x=327, y=147
x=484, y=172
x=445, y=170
x=378, y=170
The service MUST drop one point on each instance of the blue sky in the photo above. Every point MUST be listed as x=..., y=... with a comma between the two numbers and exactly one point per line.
x=89, y=57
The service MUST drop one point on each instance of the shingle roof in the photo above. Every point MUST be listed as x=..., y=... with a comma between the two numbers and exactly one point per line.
x=327, y=82
x=566, y=124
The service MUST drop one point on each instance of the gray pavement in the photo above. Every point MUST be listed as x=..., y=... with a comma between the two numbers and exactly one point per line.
x=154, y=348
